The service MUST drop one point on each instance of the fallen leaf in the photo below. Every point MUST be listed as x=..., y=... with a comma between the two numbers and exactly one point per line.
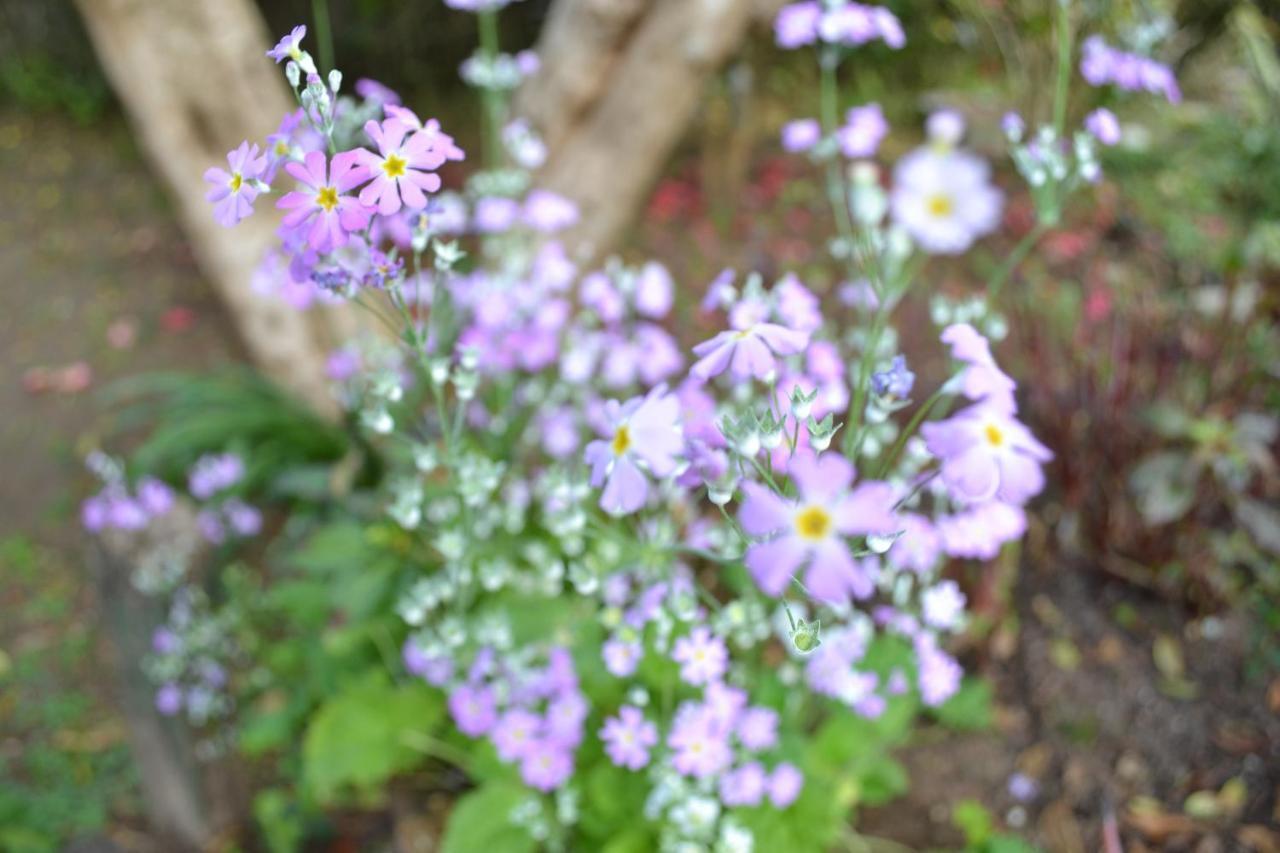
x=1167, y=654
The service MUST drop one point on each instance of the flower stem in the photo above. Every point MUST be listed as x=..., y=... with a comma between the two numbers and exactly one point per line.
x=489, y=47
x=324, y=33
x=1064, y=68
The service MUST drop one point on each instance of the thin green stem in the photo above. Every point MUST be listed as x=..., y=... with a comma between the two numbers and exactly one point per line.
x=324, y=33
x=1064, y=68
x=912, y=425
x=1016, y=257
x=493, y=102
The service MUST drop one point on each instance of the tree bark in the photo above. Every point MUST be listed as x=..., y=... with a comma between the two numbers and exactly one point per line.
x=620, y=80
x=195, y=81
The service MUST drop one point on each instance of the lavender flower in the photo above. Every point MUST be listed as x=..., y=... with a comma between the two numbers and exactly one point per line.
x=807, y=536
x=1101, y=64
x=546, y=766
x=642, y=435
x=1103, y=126
x=987, y=454
x=864, y=129
x=702, y=656
x=473, y=709
x=897, y=381
x=323, y=201
x=784, y=785
x=746, y=351
x=944, y=199
x=744, y=786
x=402, y=170
x=801, y=135
x=628, y=737
x=233, y=192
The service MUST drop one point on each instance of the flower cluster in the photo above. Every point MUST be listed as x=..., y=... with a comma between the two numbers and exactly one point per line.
x=1101, y=64
x=640, y=561
x=191, y=655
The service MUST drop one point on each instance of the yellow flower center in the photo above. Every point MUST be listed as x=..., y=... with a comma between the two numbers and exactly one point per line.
x=237, y=181
x=621, y=440
x=813, y=522
x=994, y=435
x=394, y=166
x=282, y=148
x=940, y=205
x=327, y=198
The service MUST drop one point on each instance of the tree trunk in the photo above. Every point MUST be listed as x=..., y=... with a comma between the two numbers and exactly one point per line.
x=192, y=802
x=195, y=81
x=620, y=80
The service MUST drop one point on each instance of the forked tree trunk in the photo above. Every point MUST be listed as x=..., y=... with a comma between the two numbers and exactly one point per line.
x=195, y=80
x=619, y=83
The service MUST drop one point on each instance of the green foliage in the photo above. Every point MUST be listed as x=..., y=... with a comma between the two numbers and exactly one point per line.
x=979, y=830
x=969, y=709
x=357, y=739
x=481, y=821
x=191, y=415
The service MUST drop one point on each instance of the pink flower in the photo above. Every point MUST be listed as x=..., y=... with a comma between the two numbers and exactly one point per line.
x=987, y=454
x=323, y=200
x=643, y=435
x=864, y=129
x=702, y=656
x=546, y=766
x=784, y=785
x=515, y=734
x=402, y=168
x=807, y=535
x=628, y=738
x=981, y=379
x=747, y=351
x=233, y=192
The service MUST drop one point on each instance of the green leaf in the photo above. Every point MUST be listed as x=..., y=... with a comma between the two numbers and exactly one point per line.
x=974, y=822
x=481, y=822
x=356, y=739
x=969, y=709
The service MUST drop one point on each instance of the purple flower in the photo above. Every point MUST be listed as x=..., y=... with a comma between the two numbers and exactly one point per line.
x=801, y=135
x=323, y=200
x=436, y=671
x=797, y=305
x=944, y=199
x=1103, y=125
x=643, y=436
x=1023, y=788
x=165, y=642
x=244, y=519
x=864, y=129
x=372, y=90
x=747, y=350
x=289, y=47
x=565, y=715
x=1013, y=127
x=1101, y=64
x=919, y=546
x=473, y=710
x=549, y=212
x=797, y=24
x=981, y=380
x=495, y=214
x=212, y=474
x=744, y=786
x=987, y=454
x=155, y=497
x=546, y=766
x=403, y=168
x=942, y=606
x=897, y=381
x=854, y=24
x=758, y=728
x=978, y=532
x=211, y=527
x=784, y=785
x=939, y=674
x=807, y=535
x=169, y=699
x=702, y=656
x=233, y=192
x=700, y=743
x=621, y=657
x=628, y=738
x=654, y=291
x=515, y=734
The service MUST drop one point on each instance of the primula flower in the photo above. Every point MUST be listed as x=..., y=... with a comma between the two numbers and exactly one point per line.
x=744, y=786
x=1101, y=64
x=747, y=350
x=982, y=380
x=323, y=202
x=546, y=766
x=987, y=454
x=978, y=532
x=473, y=709
x=1103, y=126
x=702, y=656
x=850, y=24
x=942, y=606
x=699, y=742
x=807, y=535
x=896, y=381
x=864, y=129
x=939, y=674
x=784, y=785
x=549, y=212
x=918, y=548
x=801, y=135
x=516, y=733
x=402, y=169
x=213, y=473
x=628, y=738
x=642, y=435
x=758, y=728
x=290, y=47
x=944, y=199
x=233, y=192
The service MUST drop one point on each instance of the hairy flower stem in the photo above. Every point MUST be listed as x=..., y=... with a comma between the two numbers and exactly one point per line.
x=324, y=33
x=1064, y=68
x=489, y=47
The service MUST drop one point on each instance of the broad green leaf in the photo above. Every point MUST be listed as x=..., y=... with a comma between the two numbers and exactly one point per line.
x=969, y=709
x=481, y=822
